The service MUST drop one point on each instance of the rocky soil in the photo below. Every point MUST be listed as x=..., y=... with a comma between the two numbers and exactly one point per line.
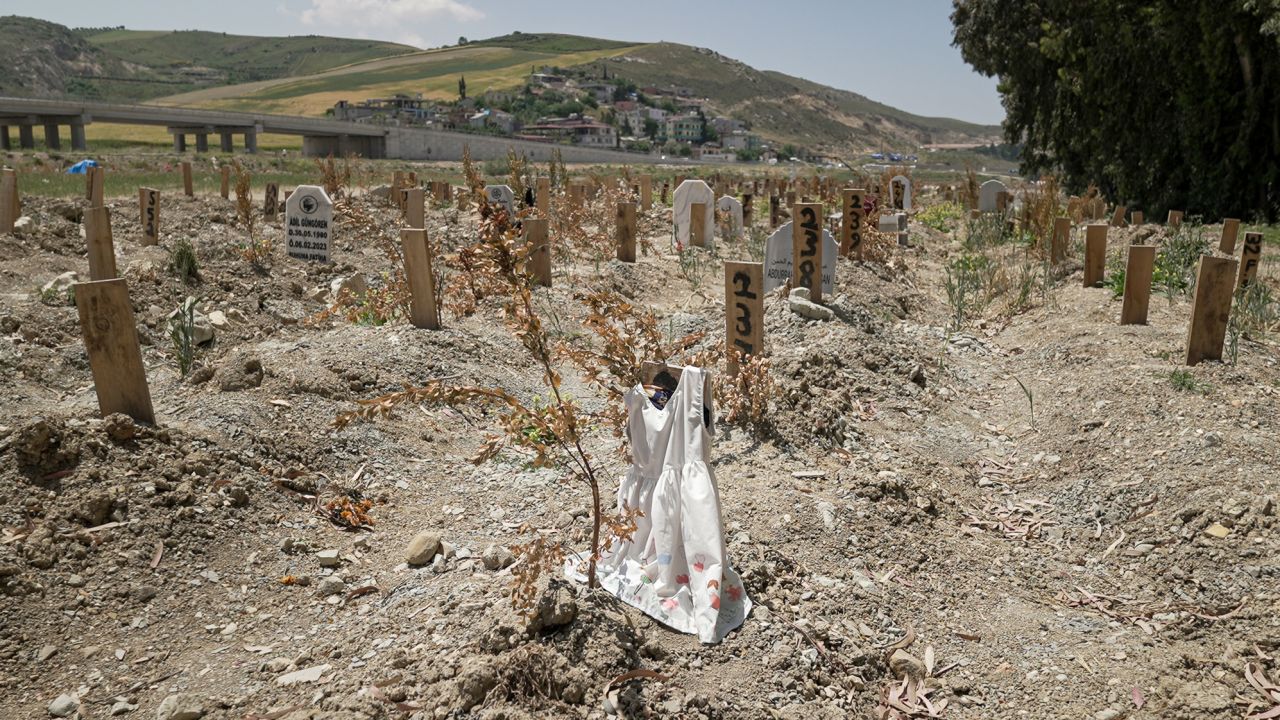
x=1099, y=545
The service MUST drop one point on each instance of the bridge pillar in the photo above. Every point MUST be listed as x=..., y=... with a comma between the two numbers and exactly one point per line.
x=227, y=145
x=26, y=137
x=77, y=137
x=179, y=142
x=4, y=138
x=251, y=142
x=202, y=142
x=51, y=138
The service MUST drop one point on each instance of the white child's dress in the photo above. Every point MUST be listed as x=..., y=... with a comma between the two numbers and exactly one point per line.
x=675, y=568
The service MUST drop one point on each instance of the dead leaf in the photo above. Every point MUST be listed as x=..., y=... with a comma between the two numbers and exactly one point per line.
x=159, y=553
x=1138, y=698
x=928, y=660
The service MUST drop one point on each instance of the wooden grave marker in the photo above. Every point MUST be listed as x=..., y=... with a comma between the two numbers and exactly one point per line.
x=1175, y=219
x=774, y=211
x=225, y=188
x=543, y=199
x=1117, y=217
x=1211, y=308
x=1137, y=284
x=188, y=188
x=397, y=184
x=744, y=310
x=806, y=249
x=111, y=340
x=415, y=210
x=1230, y=231
x=417, y=269
x=535, y=238
x=748, y=210
x=101, y=249
x=95, y=180
x=1061, y=238
x=271, y=201
x=1136, y=218
x=852, y=221
x=697, y=225
x=1250, y=256
x=627, y=232
x=1095, y=254
x=149, y=214
x=10, y=208
x=646, y=193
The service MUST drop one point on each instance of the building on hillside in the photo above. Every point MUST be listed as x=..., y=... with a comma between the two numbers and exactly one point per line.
x=684, y=128
x=725, y=126
x=555, y=82
x=490, y=118
x=740, y=140
x=602, y=92
x=397, y=110
x=711, y=152
x=574, y=129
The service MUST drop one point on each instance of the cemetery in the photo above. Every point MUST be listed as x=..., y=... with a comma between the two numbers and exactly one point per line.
x=350, y=438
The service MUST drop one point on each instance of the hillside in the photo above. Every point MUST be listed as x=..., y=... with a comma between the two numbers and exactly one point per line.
x=43, y=59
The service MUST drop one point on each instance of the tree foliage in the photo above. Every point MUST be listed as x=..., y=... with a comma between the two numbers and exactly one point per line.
x=1166, y=104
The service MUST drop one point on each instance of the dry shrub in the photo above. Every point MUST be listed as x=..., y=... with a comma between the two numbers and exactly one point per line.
x=518, y=172
x=256, y=249
x=744, y=396
x=1041, y=205
x=333, y=178
x=587, y=231
x=970, y=190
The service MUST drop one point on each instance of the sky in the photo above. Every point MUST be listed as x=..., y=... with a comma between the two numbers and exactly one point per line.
x=895, y=52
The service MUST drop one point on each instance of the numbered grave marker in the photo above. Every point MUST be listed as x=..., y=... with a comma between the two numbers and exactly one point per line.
x=149, y=209
x=1095, y=254
x=852, y=220
x=101, y=248
x=626, y=232
x=535, y=238
x=807, y=249
x=226, y=182
x=1250, y=256
x=1210, y=309
x=1137, y=284
x=271, y=201
x=1230, y=231
x=111, y=339
x=744, y=310
x=733, y=209
x=188, y=187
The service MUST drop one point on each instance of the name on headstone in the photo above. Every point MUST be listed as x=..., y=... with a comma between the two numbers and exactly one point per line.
x=778, y=259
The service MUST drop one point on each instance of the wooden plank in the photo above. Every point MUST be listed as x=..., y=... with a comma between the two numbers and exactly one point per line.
x=397, y=184
x=543, y=199
x=535, y=238
x=10, y=209
x=1230, y=231
x=1137, y=284
x=1250, y=257
x=1210, y=309
x=1175, y=219
x=1061, y=238
x=744, y=310
x=225, y=189
x=415, y=213
x=188, y=187
x=271, y=201
x=626, y=223
x=852, y=222
x=646, y=193
x=1117, y=217
x=697, y=224
x=101, y=249
x=111, y=339
x=95, y=180
x=149, y=215
x=806, y=249
x=1136, y=218
x=1095, y=254
x=423, y=312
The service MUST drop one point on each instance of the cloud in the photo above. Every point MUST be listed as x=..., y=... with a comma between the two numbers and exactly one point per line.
x=391, y=19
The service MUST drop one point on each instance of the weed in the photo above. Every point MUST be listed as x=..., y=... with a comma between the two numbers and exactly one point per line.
x=334, y=179
x=1031, y=401
x=182, y=334
x=1183, y=380
x=1253, y=314
x=255, y=249
x=182, y=260
x=55, y=297
x=940, y=217
x=963, y=284
x=1178, y=258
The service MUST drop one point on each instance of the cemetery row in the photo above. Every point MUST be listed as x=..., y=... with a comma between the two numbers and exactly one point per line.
x=801, y=253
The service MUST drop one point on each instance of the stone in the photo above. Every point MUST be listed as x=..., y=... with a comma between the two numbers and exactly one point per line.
x=201, y=329
x=989, y=194
x=778, y=259
x=1217, y=530
x=62, y=283
x=180, y=706
x=308, y=217
x=119, y=427
x=382, y=192
x=331, y=585
x=496, y=557
x=556, y=608
x=903, y=663
x=24, y=224
x=690, y=192
x=328, y=558
x=218, y=320
x=46, y=652
x=64, y=705
x=501, y=195
x=124, y=707
x=422, y=548
x=355, y=286
x=306, y=675
x=905, y=182
x=240, y=373
x=800, y=304
x=1106, y=714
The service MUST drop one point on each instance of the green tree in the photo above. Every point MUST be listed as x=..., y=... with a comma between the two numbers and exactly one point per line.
x=1166, y=103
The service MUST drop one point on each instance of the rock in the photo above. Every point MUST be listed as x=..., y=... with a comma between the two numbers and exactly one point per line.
x=1106, y=714
x=119, y=427
x=143, y=593
x=64, y=705
x=557, y=608
x=46, y=652
x=201, y=329
x=181, y=706
x=306, y=675
x=1217, y=530
x=122, y=708
x=354, y=285
x=801, y=305
x=331, y=585
x=903, y=663
x=218, y=320
x=422, y=548
x=328, y=558
x=69, y=212
x=828, y=512
x=496, y=557
x=240, y=374
x=62, y=283
x=277, y=665
x=24, y=224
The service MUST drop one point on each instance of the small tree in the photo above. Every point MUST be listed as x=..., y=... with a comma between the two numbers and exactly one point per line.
x=462, y=87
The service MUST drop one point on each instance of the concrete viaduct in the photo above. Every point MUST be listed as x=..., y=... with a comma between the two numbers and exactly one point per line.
x=320, y=137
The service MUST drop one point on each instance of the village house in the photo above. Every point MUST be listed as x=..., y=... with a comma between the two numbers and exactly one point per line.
x=602, y=92
x=684, y=128
x=740, y=140
x=506, y=122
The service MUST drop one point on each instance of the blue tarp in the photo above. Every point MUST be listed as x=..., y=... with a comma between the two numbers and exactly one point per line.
x=81, y=167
